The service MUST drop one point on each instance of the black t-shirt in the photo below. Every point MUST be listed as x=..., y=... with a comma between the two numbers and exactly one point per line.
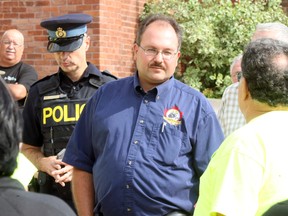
x=20, y=73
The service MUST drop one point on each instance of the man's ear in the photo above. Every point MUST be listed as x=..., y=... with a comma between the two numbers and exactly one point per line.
x=135, y=50
x=243, y=91
x=87, y=43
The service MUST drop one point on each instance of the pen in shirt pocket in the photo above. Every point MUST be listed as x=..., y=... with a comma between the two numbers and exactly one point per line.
x=163, y=126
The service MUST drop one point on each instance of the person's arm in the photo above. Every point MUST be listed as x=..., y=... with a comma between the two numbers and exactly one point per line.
x=34, y=154
x=83, y=192
x=42, y=163
x=209, y=138
x=26, y=78
x=18, y=91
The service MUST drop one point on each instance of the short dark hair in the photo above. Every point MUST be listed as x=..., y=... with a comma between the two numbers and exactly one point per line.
x=10, y=131
x=158, y=17
x=266, y=77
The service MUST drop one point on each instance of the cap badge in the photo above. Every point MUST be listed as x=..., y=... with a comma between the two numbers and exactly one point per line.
x=60, y=33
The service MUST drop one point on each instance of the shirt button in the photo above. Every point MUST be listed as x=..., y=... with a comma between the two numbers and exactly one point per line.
x=130, y=162
x=129, y=209
x=146, y=101
x=158, y=97
x=136, y=142
x=141, y=121
x=127, y=186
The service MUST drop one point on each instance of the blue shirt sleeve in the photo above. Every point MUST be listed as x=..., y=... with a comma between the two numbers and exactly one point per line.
x=208, y=138
x=79, y=152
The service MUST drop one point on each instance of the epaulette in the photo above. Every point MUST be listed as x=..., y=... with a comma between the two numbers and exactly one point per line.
x=107, y=75
x=96, y=81
x=99, y=81
x=47, y=84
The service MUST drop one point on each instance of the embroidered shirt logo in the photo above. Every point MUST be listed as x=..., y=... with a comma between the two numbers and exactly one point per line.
x=173, y=116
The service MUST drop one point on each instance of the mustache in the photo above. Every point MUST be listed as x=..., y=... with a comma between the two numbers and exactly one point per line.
x=66, y=62
x=158, y=65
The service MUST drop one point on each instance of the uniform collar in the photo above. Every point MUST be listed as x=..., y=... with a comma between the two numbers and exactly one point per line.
x=90, y=70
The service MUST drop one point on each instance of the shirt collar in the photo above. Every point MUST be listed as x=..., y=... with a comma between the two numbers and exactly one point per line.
x=160, y=89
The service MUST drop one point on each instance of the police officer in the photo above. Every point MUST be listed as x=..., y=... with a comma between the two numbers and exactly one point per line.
x=55, y=103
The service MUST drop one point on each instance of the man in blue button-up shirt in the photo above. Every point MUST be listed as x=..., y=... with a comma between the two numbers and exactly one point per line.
x=142, y=143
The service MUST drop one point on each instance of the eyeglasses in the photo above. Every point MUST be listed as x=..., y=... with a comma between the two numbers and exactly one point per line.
x=8, y=43
x=166, y=54
x=239, y=76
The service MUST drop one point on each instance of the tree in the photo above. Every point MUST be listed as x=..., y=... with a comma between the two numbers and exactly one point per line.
x=214, y=32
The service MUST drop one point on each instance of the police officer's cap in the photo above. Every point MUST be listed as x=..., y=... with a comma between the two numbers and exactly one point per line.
x=66, y=32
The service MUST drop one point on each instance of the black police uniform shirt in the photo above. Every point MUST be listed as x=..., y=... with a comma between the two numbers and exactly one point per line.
x=41, y=111
x=20, y=73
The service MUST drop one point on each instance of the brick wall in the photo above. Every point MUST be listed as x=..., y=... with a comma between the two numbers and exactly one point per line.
x=112, y=30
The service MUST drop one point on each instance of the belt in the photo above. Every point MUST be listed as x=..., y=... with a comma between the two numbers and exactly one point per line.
x=176, y=213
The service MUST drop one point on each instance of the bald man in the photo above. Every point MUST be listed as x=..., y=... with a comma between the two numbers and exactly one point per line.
x=18, y=75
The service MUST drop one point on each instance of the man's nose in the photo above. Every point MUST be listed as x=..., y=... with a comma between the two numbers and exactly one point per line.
x=159, y=57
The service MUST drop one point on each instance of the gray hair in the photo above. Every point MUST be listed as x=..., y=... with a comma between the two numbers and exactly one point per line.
x=275, y=30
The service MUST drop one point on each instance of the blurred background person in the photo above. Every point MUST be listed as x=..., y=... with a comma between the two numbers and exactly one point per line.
x=229, y=114
x=235, y=68
x=18, y=75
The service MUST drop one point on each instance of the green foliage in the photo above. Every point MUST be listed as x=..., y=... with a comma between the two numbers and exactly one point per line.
x=214, y=32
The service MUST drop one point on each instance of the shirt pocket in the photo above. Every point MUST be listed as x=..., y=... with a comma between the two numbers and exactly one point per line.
x=167, y=144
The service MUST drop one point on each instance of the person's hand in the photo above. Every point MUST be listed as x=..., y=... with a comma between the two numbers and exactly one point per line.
x=59, y=170
x=64, y=174
x=49, y=164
